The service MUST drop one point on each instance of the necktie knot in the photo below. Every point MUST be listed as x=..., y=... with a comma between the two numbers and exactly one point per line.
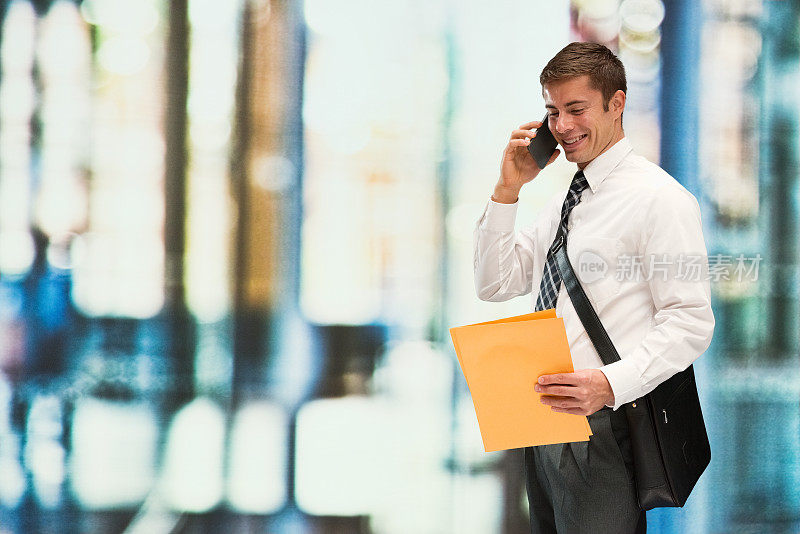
x=579, y=182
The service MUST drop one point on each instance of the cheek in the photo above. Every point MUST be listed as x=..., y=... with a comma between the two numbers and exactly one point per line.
x=596, y=128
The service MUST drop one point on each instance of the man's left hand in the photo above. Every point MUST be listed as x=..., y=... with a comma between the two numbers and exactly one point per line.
x=581, y=393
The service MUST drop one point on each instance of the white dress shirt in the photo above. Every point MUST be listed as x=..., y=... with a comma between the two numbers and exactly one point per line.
x=632, y=214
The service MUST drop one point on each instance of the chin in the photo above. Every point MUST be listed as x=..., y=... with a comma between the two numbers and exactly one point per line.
x=577, y=157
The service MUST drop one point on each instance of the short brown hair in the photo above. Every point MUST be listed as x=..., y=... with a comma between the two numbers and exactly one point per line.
x=605, y=70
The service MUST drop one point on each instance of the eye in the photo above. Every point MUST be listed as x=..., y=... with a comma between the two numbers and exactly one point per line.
x=578, y=111
x=552, y=115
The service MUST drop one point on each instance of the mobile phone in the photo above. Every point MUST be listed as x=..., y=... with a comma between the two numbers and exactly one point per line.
x=543, y=145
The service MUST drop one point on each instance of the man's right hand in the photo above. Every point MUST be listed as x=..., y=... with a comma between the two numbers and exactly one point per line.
x=518, y=166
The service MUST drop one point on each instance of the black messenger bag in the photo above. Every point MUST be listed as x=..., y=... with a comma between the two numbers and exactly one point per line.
x=668, y=435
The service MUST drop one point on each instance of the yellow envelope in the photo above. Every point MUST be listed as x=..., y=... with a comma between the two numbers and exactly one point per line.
x=502, y=360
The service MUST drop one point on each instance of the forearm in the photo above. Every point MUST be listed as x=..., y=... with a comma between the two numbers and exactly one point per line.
x=679, y=336
x=502, y=259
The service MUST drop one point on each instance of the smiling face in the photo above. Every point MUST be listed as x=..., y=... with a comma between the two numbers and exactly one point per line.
x=579, y=121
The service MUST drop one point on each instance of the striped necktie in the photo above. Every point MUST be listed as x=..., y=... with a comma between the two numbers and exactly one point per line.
x=551, y=279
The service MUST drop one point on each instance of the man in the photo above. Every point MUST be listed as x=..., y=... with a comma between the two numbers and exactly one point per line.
x=621, y=211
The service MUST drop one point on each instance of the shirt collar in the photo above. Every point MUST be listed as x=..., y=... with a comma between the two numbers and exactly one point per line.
x=602, y=165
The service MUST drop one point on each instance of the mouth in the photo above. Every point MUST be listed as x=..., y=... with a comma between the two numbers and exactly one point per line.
x=573, y=142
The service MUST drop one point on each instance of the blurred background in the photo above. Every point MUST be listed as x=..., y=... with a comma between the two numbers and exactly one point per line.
x=234, y=234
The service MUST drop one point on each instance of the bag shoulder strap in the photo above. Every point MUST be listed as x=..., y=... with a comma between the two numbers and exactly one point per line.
x=591, y=322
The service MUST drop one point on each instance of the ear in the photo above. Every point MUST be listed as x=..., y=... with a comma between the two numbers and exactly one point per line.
x=617, y=102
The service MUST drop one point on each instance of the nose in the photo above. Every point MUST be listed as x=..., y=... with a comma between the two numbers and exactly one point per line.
x=563, y=123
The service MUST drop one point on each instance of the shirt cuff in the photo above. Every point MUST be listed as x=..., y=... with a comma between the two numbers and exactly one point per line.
x=499, y=217
x=622, y=376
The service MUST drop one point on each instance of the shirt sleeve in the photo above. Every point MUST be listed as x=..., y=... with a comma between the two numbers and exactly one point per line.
x=503, y=259
x=683, y=322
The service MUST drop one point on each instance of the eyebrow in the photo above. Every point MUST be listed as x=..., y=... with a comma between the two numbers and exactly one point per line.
x=568, y=104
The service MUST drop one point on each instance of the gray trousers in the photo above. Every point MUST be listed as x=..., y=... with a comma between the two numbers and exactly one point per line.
x=585, y=487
